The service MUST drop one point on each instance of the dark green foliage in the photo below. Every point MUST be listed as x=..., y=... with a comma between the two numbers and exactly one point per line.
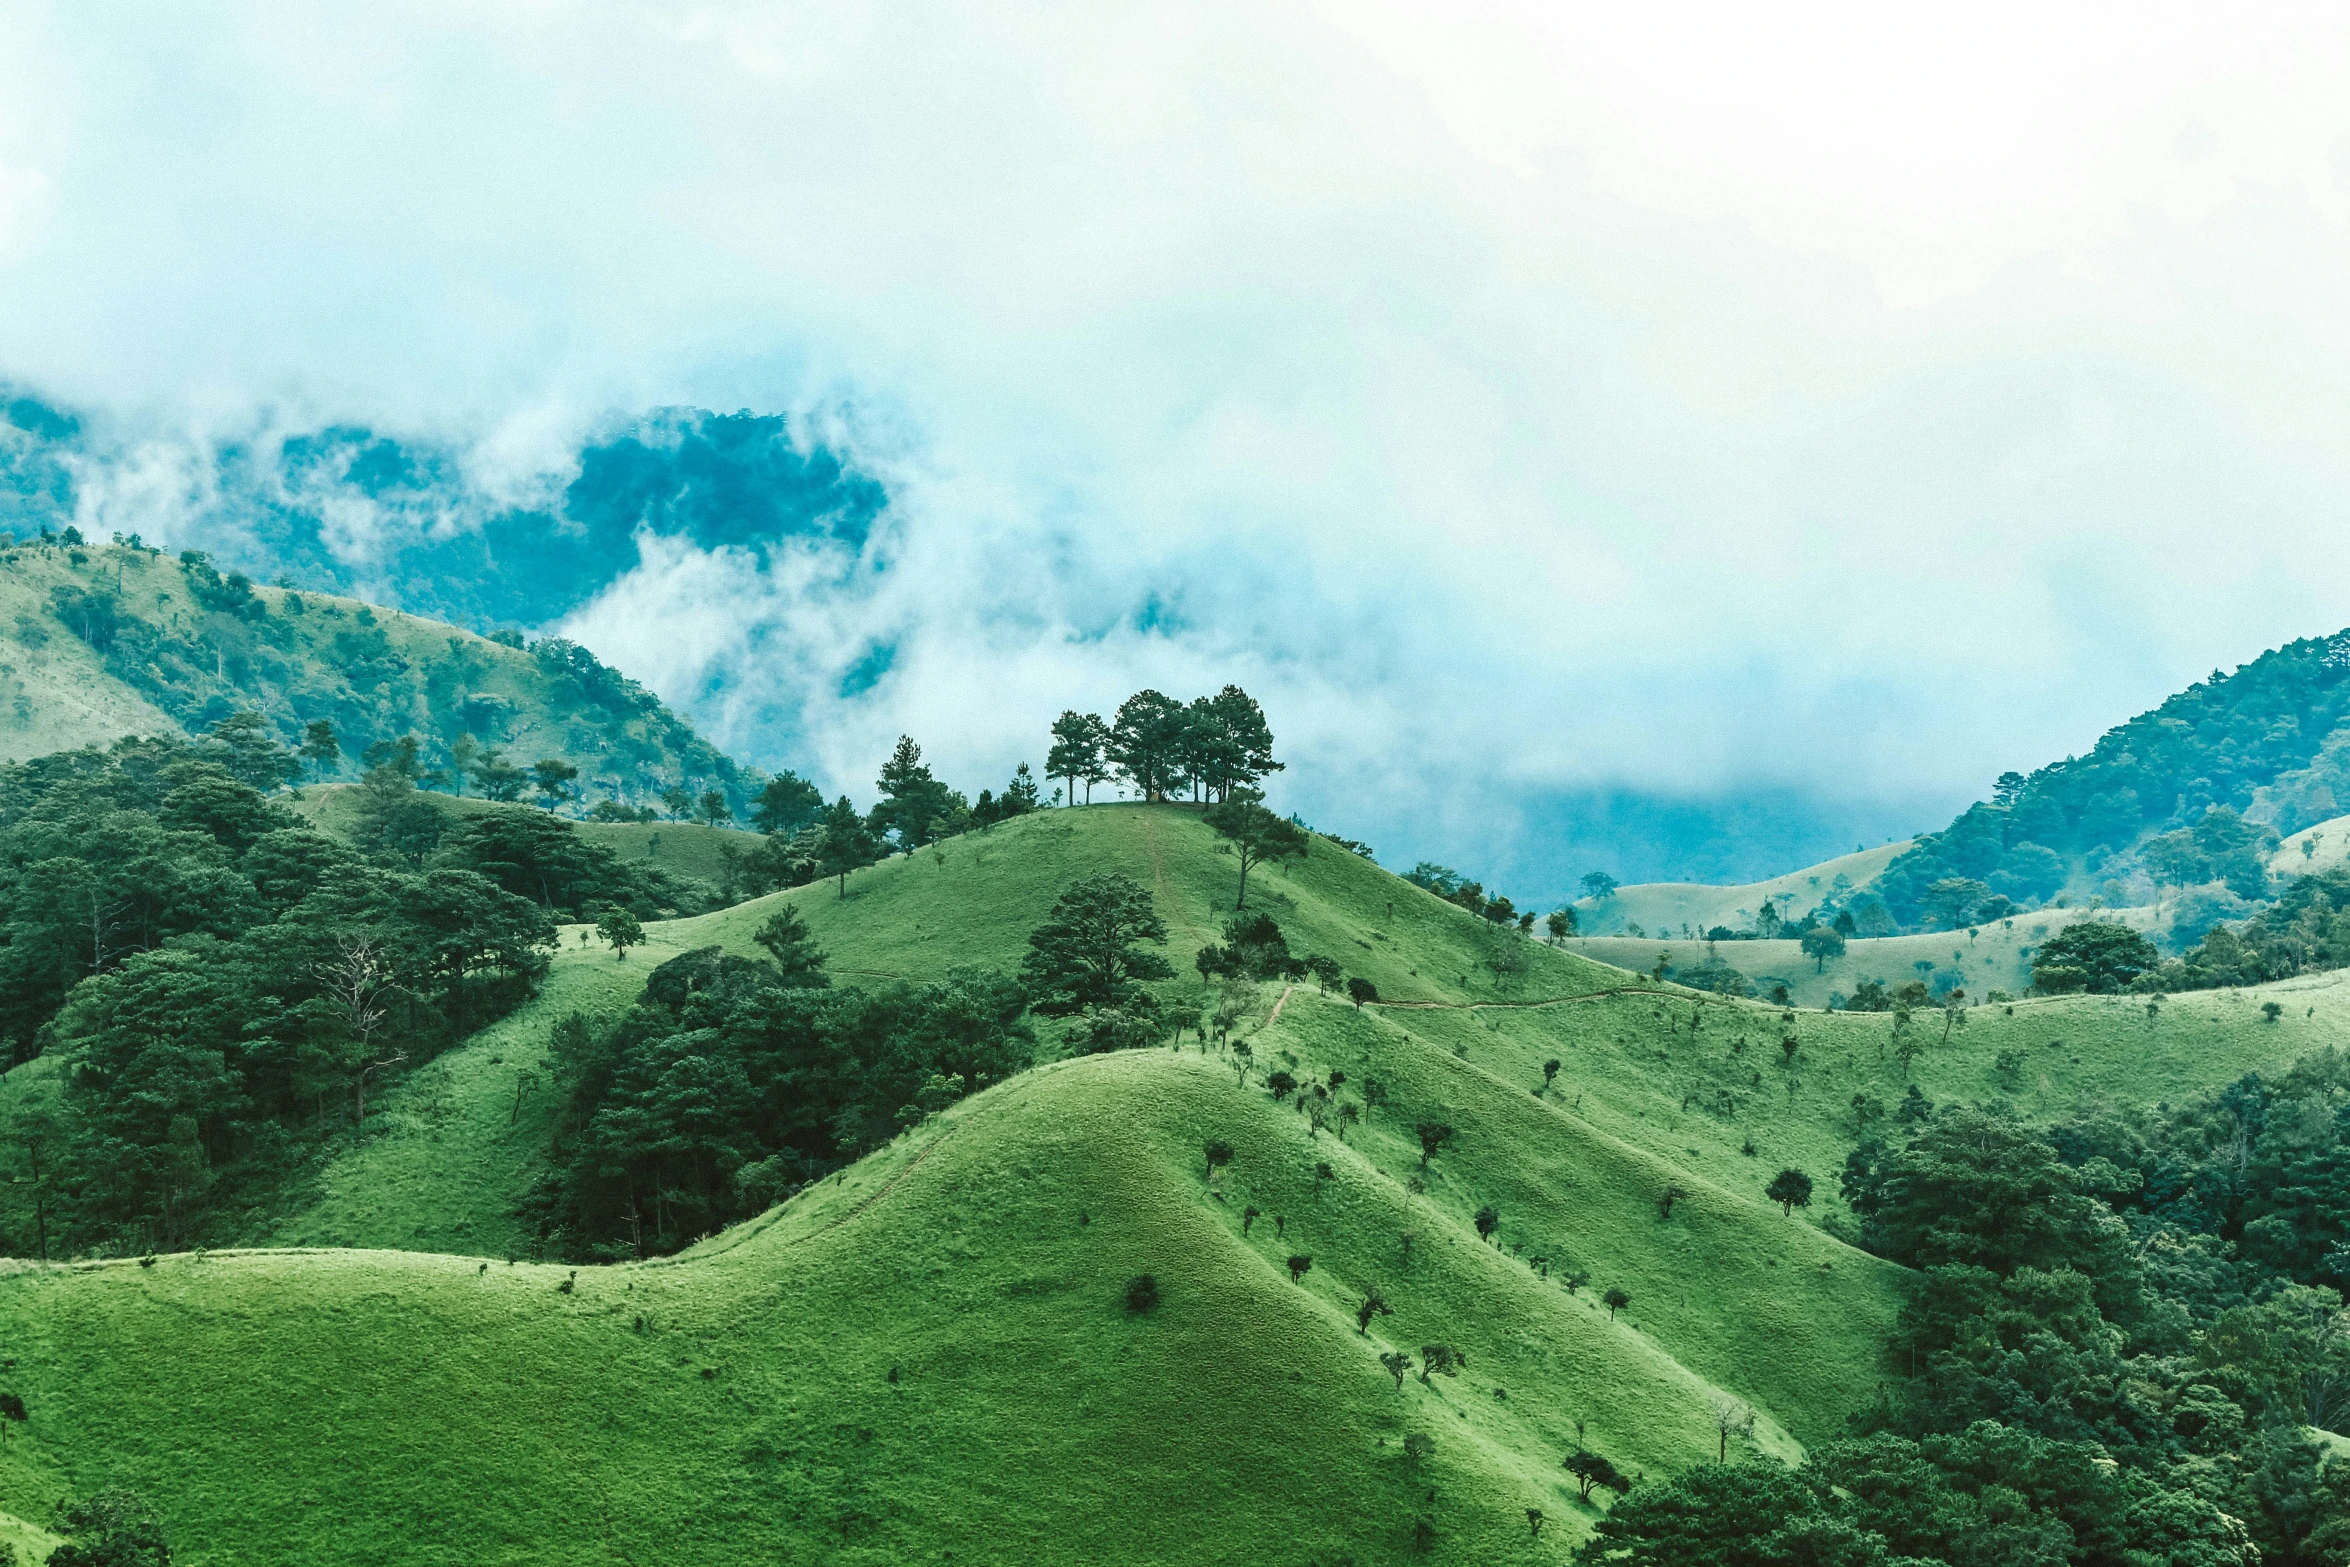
x=619, y=930
x=543, y=858
x=115, y=1528
x=798, y=959
x=1592, y=1472
x=845, y=843
x=787, y=802
x=1615, y=1300
x=1433, y=1136
x=1790, y=1189
x=1299, y=1264
x=1253, y=948
x=1104, y=1029
x=1142, y=1294
x=2093, y=956
x=1085, y=955
x=1488, y=1220
x=725, y=1086
x=914, y=805
x=1821, y=944
x=1360, y=990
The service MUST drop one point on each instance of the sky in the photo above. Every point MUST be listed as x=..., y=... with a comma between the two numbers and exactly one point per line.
x=1680, y=441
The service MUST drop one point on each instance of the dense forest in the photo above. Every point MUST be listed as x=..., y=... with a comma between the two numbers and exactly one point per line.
x=2185, y=794
x=2120, y=1329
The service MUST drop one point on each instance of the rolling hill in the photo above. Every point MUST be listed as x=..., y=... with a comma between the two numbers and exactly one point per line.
x=1663, y=908
x=103, y=641
x=930, y=1357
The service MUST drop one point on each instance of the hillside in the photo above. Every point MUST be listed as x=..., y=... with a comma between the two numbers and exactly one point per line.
x=109, y=640
x=2216, y=769
x=983, y=1258
x=1663, y=908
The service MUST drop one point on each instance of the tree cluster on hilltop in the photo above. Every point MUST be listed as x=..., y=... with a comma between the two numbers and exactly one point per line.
x=1160, y=747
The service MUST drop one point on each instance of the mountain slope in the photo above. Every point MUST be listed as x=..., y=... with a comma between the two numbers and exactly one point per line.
x=1662, y=908
x=104, y=641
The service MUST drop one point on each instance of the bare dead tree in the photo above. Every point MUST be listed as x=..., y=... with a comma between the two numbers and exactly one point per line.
x=359, y=990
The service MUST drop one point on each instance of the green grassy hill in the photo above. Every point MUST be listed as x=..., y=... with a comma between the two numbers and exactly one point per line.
x=101, y=642
x=929, y=1357
x=1662, y=908
x=1993, y=957
x=2319, y=847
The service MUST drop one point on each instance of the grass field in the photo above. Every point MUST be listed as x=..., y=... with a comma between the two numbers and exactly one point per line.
x=419, y=1398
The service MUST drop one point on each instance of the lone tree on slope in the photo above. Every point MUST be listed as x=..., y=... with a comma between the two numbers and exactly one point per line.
x=1084, y=954
x=1790, y=1189
x=1360, y=990
x=620, y=930
x=1257, y=834
x=1488, y=1220
x=1615, y=1300
x=1433, y=1136
x=1298, y=1266
x=1219, y=1154
x=1820, y=945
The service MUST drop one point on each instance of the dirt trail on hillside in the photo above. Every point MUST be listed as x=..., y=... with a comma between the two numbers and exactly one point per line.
x=1278, y=1005
x=1553, y=1001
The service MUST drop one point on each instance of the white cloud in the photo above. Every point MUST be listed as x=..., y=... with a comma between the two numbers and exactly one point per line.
x=1526, y=398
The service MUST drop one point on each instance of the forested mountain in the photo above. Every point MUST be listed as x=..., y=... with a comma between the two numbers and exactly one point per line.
x=2194, y=792
x=101, y=640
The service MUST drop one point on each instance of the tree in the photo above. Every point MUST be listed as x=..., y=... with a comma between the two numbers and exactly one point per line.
x=1076, y=752
x=1441, y=1359
x=786, y=803
x=320, y=748
x=1550, y=1072
x=1020, y=796
x=1374, y=1305
x=912, y=800
x=1084, y=955
x=1142, y=1293
x=1615, y=1300
x=1790, y=1189
x=1820, y=945
x=497, y=778
x=1433, y=1136
x=1257, y=835
x=1299, y=1263
x=1590, y=1470
x=678, y=801
x=2094, y=956
x=1560, y=922
x=1952, y=898
x=1488, y=1220
x=844, y=843
x=552, y=777
x=1360, y=990
x=1144, y=740
x=1219, y=1154
x=244, y=743
x=713, y=809
x=793, y=947
x=358, y=987
x=1281, y=1084
x=115, y=1528
x=1671, y=1195
x=1240, y=749
x=1397, y=1363
x=619, y=930
x=1599, y=886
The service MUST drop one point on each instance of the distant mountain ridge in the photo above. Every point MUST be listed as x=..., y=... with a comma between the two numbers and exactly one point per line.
x=100, y=642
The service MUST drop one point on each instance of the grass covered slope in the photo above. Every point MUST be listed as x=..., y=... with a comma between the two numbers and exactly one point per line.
x=105, y=641
x=1663, y=907
x=994, y=1399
